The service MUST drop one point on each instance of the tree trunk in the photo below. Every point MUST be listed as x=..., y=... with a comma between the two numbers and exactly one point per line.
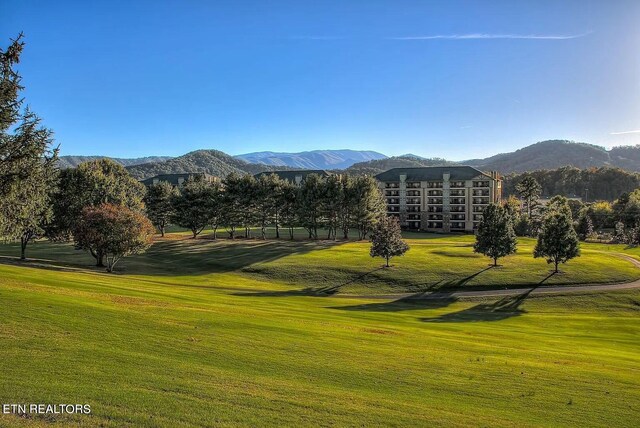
x=556, y=270
x=99, y=259
x=495, y=261
x=263, y=232
x=195, y=233
x=277, y=230
x=215, y=232
x=23, y=247
x=387, y=261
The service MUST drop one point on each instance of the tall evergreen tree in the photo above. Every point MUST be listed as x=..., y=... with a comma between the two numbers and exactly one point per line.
x=369, y=205
x=310, y=204
x=288, y=206
x=232, y=200
x=495, y=237
x=529, y=190
x=332, y=196
x=195, y=205
x=558, y=241
x=159, y=204
x=266, y=196
x=386, y=239
x=27, y=161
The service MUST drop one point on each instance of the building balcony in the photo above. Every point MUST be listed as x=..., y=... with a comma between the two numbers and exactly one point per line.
x=456, y=184
x=457, y=201
x=413, y=193
x=414, y=185
x=413, y=209
x=434, y=185
x=435, y=201
x=434, y=209
x=392, y=185
x=392, y=193
x=434, y=193
x=434, y=225
x=481, y=201
x=456, y=225
x=457, y=209
x=480, y=184
x=457, y=193
x=415, y=201
x=481, y=193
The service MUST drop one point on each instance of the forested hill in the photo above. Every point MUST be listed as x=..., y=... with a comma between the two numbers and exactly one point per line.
x=212, y=162
x=73, y=161
x=554, y=154
x=315, y=159
x=407, y=161
x=591, y=183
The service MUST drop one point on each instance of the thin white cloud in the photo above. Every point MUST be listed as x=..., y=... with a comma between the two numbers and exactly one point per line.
x=484, y=36
x=317, y=38
x=637, y=131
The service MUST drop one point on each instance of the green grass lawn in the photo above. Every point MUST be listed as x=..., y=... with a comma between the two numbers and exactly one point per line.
x=208, y=333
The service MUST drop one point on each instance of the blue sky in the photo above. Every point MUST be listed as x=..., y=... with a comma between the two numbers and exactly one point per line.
x=452, y=79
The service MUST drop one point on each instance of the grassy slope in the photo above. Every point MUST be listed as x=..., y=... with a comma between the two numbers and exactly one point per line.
x=186, y=347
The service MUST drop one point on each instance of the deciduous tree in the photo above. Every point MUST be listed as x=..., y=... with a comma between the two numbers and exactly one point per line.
x=114, y=231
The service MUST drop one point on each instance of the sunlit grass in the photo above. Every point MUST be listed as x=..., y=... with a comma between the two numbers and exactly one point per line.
x=201, y=333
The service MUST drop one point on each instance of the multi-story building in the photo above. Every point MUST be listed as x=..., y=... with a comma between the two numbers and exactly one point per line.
x=439, y=199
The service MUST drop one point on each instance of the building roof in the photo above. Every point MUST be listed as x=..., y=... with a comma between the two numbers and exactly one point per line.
x=431, y=173
x=174, y=178
x=291, y=175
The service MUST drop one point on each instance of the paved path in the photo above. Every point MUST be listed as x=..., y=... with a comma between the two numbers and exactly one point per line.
x=538, y=290
x=427, y=295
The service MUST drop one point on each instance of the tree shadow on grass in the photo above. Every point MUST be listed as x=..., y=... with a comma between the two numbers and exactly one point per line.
x=327, y=291
x=448, y=285
x=422, y=300
x=179, y=257
x=505, y=308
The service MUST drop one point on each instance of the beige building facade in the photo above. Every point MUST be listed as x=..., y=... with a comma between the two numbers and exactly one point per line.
x=439, y=199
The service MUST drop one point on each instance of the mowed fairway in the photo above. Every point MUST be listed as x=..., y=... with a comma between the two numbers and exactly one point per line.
x=251, y=333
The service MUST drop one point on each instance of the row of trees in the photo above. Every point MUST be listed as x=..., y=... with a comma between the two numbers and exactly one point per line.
x=592, y=184
x=339, y=204
x=557, y=239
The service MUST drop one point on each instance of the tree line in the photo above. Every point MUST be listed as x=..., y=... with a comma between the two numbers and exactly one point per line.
x=341, y=205
x=591, y=184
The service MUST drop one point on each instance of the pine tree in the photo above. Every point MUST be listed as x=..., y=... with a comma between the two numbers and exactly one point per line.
x=27, y=161
x=558, y=241
x=529, y=189
x=196, y=205
x=159, y=204
x=495, y=237
x=386, y=239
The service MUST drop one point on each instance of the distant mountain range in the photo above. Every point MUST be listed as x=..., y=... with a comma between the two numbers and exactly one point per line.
x=550, y=154
x=73, y=161
x=316, y=159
